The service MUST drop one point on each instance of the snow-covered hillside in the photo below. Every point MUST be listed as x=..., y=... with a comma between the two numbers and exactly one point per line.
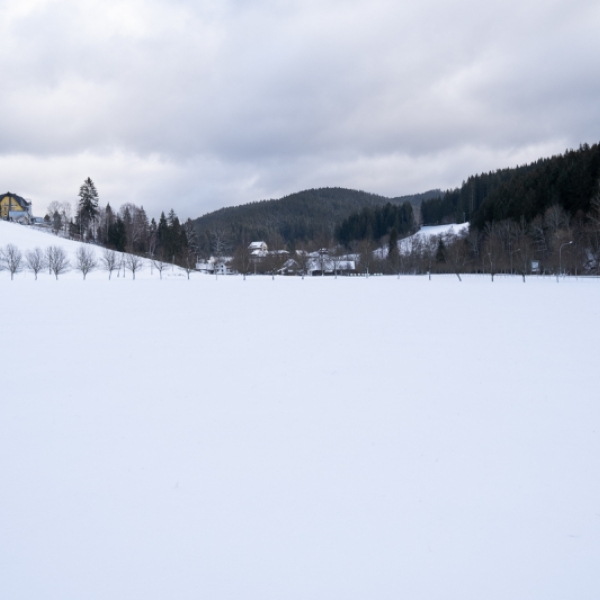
x=450, y=228
x=429, y=231
x=28, y=238
x=293, y=439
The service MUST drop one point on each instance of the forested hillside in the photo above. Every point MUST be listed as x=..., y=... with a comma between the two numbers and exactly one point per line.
x=569, y=180
x=311, y=215
x=373, y=223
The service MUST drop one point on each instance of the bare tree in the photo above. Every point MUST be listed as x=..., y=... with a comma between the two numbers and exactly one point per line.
x=60, y=215
x=457, y=253
x=303, y=259
x=53, y=207
x=134, y=263
x=191, y=235
x=66, y=216
x=524, y=254
x=55, y=215
x=159, y=262
x=242, y=259
x=11, y=259
x=85, y=260
x=35, y=260
x=366, y=249
x=219, y=244
x=275, y=260
x=109, y=261
x=428, y=251
x=58, y=263
x=412, y=246
x=188, y=261
x=492, y=247
x=336, y=258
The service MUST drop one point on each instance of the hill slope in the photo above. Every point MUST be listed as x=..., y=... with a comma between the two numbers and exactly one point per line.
x=307, y=215
x=570, y=180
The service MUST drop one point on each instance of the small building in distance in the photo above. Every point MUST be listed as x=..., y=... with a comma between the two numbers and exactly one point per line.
x=258, y=248
x=16, y=209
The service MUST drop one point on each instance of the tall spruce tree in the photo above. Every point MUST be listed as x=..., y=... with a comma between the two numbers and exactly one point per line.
x=117, y=235
x=393, y=242
x=88, y=205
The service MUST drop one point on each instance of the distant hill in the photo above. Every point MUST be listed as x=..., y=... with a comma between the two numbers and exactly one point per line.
x=310, y=215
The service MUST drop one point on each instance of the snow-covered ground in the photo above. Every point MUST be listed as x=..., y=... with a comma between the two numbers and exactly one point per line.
x=453, y=228
x=429, y=231
x=28, y=238
x=298, y=439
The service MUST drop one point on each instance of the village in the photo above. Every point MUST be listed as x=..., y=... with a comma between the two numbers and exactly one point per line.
x=258, y=259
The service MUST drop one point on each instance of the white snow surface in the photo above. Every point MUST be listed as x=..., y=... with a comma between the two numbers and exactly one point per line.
x=428, y=231
x=451, y=228
x=229, y=439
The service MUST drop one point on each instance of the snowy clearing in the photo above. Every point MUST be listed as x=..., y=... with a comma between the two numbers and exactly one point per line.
x=429, y=231
x=451, y=228
x=299, y=439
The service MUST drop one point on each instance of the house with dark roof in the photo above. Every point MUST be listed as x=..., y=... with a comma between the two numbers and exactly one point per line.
x=16, y=209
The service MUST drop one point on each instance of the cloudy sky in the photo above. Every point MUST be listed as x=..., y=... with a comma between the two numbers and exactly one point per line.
x=201, y=104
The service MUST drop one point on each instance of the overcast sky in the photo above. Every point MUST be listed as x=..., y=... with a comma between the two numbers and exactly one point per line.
x=197, y=105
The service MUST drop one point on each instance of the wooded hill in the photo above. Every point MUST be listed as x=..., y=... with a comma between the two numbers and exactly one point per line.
x=307, y=216
x=569, y=180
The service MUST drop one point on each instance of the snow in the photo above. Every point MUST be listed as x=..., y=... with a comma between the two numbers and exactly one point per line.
x=27, y=238
x=429, y=231
x=450, y=228
x=436, y=440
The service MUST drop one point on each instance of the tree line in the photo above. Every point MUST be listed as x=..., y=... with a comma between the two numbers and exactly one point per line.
x=307, y=217
x=376, y=222
x=568, y=180
x=127, y=229
x=552, y=244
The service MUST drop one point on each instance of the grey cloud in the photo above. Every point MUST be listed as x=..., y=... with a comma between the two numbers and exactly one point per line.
x=246, y=100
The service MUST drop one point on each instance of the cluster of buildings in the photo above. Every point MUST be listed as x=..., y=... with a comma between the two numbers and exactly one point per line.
x=321, y=262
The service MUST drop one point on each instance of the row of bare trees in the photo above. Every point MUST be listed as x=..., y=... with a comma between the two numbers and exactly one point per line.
x=55, y=259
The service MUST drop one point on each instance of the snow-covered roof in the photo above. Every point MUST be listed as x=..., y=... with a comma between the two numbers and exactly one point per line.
x=257, y=246
x=329, y=264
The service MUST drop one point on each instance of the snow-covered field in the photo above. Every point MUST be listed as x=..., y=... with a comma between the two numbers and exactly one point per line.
x=298, y=439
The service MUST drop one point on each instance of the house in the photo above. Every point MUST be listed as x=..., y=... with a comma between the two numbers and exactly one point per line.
x=318, y=263
x=258, y=249
x=290, y=267
x=262, y=246
x=16, y=209
x=328, y=265
x=220, y=265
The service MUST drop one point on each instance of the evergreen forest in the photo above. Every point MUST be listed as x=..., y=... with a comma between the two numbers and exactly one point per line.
x=568, y=180
x=310, y=216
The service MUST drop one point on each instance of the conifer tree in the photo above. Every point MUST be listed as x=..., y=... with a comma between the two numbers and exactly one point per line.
x=117, y=236
x=393, y=242
x=88, y=205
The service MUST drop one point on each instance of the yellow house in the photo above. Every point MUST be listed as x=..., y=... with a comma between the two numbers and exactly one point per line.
x=15, y=208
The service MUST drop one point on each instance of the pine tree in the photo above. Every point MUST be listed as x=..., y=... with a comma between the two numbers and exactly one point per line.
x=88, y=205
x=440, y=253
x=117, y=236
x=393, y=243
x=162, y=233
